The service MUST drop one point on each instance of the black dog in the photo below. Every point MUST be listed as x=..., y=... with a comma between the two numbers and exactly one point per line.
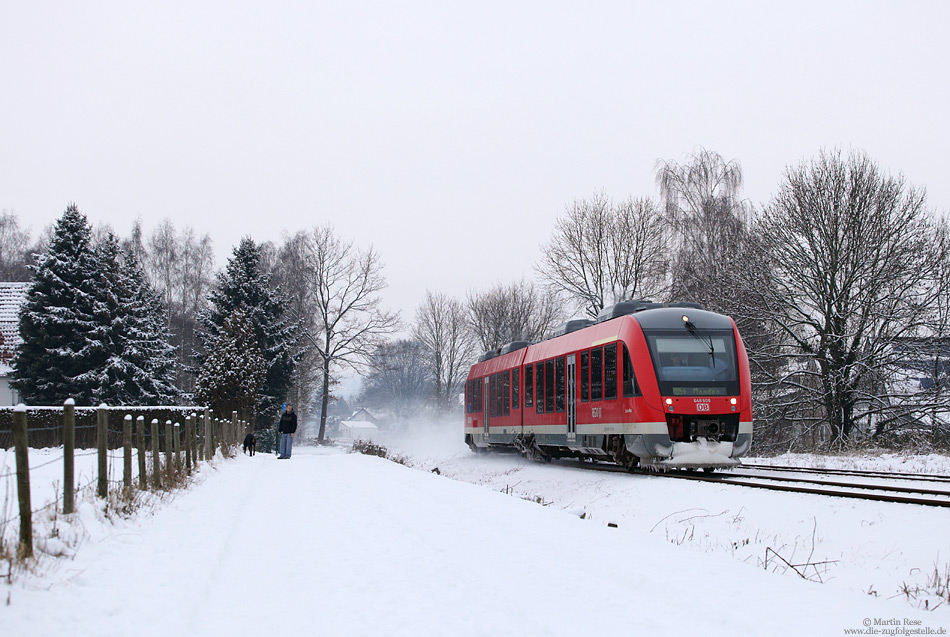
x=250, y=442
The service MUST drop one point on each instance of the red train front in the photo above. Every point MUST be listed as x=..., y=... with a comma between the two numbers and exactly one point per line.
x=646, y=384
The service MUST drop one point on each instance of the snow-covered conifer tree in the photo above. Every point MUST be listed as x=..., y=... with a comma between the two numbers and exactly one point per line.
x=140, y=366
x=147, y=342
x=63, y=339
x=234, y=370
x=243, y=286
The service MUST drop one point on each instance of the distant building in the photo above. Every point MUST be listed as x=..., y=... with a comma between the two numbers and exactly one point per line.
x=360, y=426
x=358, y=430
x=12, y=298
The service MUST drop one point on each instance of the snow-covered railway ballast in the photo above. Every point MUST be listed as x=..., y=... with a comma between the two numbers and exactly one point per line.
x=646, y=384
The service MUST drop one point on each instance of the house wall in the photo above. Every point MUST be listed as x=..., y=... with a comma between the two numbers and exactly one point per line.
x=7, y=395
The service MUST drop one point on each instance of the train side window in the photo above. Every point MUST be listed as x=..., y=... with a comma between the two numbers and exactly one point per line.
x=585, y=376
x=630, y=386
x=468, y=397
x=539, y=387
x=549, y=386
x=515, y=385
x=506, y=393
x=610, y=372
x=492, y=386
x=596, y=373
x=528, y=386
x=479, y=394
x=499, y=399
x=559, y=382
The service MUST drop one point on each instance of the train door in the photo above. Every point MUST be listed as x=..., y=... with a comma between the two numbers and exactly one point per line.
x=571, y=399
x=486, y=398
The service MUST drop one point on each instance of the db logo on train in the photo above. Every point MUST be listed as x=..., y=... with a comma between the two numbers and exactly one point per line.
x=702, y=406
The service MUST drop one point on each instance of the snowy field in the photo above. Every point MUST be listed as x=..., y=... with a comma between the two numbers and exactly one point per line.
x=887, y=551
x=332, y=543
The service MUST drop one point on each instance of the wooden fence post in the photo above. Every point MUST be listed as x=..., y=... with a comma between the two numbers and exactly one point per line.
x=127, y=451
x=69, y=456
x=102, y=433
x=189, y=442
x=207, y=428
x=215, y=436
x=168, y=449
x=202, y=435
x=234, y=428
x=177, y=439
x=195, y=440
x=20, y=441
x=140, y=440
x=156, y=462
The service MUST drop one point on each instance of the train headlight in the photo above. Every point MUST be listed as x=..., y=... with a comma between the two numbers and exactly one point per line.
x=669, y=404
x=733, y=401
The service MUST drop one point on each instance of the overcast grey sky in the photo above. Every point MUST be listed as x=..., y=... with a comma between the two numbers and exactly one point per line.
x=447, y=134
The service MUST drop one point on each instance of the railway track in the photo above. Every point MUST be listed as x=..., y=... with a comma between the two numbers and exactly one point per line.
x=851, y=472
x=907, y=493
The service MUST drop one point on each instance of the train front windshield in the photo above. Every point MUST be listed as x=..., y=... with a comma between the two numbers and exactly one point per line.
x=697, y=363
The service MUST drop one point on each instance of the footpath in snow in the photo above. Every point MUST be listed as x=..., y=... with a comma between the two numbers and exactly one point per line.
x=331, y=543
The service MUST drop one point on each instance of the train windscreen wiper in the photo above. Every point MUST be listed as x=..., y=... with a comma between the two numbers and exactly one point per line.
x=707, y=340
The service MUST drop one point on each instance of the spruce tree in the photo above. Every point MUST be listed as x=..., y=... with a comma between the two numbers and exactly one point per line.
x=63, y=348
x=245, y=287
x=234, y=370
x=147, y=341
x=140, y=366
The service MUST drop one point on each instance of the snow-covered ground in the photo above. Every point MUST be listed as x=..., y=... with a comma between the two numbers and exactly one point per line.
x=886, y=551
x=332, y=543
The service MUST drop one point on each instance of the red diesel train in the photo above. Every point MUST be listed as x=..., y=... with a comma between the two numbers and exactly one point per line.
x=646, y=384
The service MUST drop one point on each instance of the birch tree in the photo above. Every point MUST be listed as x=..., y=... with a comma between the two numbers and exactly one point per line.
x=292, y=272
x=14, y=249
x=709, y=221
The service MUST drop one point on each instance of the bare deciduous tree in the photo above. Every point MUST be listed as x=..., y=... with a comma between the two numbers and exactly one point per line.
x=639, y=250
x=702, y=204
x=291, y=271
x=399, y=380
x=506, y=313
x=855, y=272
x=163, y=254
x=442, y=328
x=180, y=266
x=14, y=249
x=602, y=253
x=346, y=285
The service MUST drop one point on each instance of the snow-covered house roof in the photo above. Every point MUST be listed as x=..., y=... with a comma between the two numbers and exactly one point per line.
x=12, y=298
x=364, y=415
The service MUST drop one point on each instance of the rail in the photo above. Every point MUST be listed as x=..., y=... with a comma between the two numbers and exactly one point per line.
x=862, y=491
